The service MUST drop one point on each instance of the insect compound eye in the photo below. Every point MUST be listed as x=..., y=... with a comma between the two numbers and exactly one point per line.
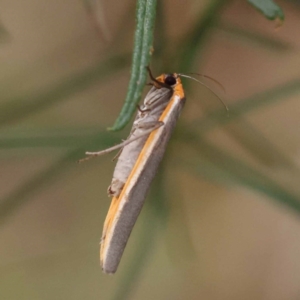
x=170, y=80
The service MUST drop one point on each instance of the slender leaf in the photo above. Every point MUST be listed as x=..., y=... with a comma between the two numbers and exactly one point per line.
x=191, y=43
x=269, y=8
x=60, y=138
x=257, y=144
x=20, y=196
x=4, y=34
x=16, y=109
x=244, y=106
x=255, y=38
x=143, y=41
x=241, y=172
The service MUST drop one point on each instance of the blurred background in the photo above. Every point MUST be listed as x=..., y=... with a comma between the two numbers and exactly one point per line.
x=222, y=218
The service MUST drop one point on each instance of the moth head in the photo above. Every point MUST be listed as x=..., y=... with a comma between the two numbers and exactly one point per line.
x=167, y=80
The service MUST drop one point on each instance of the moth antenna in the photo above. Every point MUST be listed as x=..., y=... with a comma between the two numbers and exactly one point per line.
x=212, y=79
x=195, y=79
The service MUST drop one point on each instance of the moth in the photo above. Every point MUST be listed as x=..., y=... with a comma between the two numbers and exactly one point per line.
x=137, y=164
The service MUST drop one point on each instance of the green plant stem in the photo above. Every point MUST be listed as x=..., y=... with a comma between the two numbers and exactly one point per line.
x=146, y=10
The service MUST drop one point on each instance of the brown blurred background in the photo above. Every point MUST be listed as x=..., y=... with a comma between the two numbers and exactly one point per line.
x=222, y=217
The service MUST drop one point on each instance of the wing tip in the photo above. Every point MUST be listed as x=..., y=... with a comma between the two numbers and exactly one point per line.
x=107, y=270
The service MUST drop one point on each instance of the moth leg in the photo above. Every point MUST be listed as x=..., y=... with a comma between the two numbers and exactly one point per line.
x=115, y=188
x=149, y=125
x=146, y=125
x=117, y=155
x=154, y=125
x=140, y=125
x=141, y=110
x=161, y=84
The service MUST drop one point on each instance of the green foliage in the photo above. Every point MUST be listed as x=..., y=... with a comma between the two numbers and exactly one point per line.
x=143, y=41
x=269, y=8
x=213, y=163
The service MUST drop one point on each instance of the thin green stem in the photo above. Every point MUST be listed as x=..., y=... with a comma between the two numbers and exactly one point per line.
x=146, y=10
